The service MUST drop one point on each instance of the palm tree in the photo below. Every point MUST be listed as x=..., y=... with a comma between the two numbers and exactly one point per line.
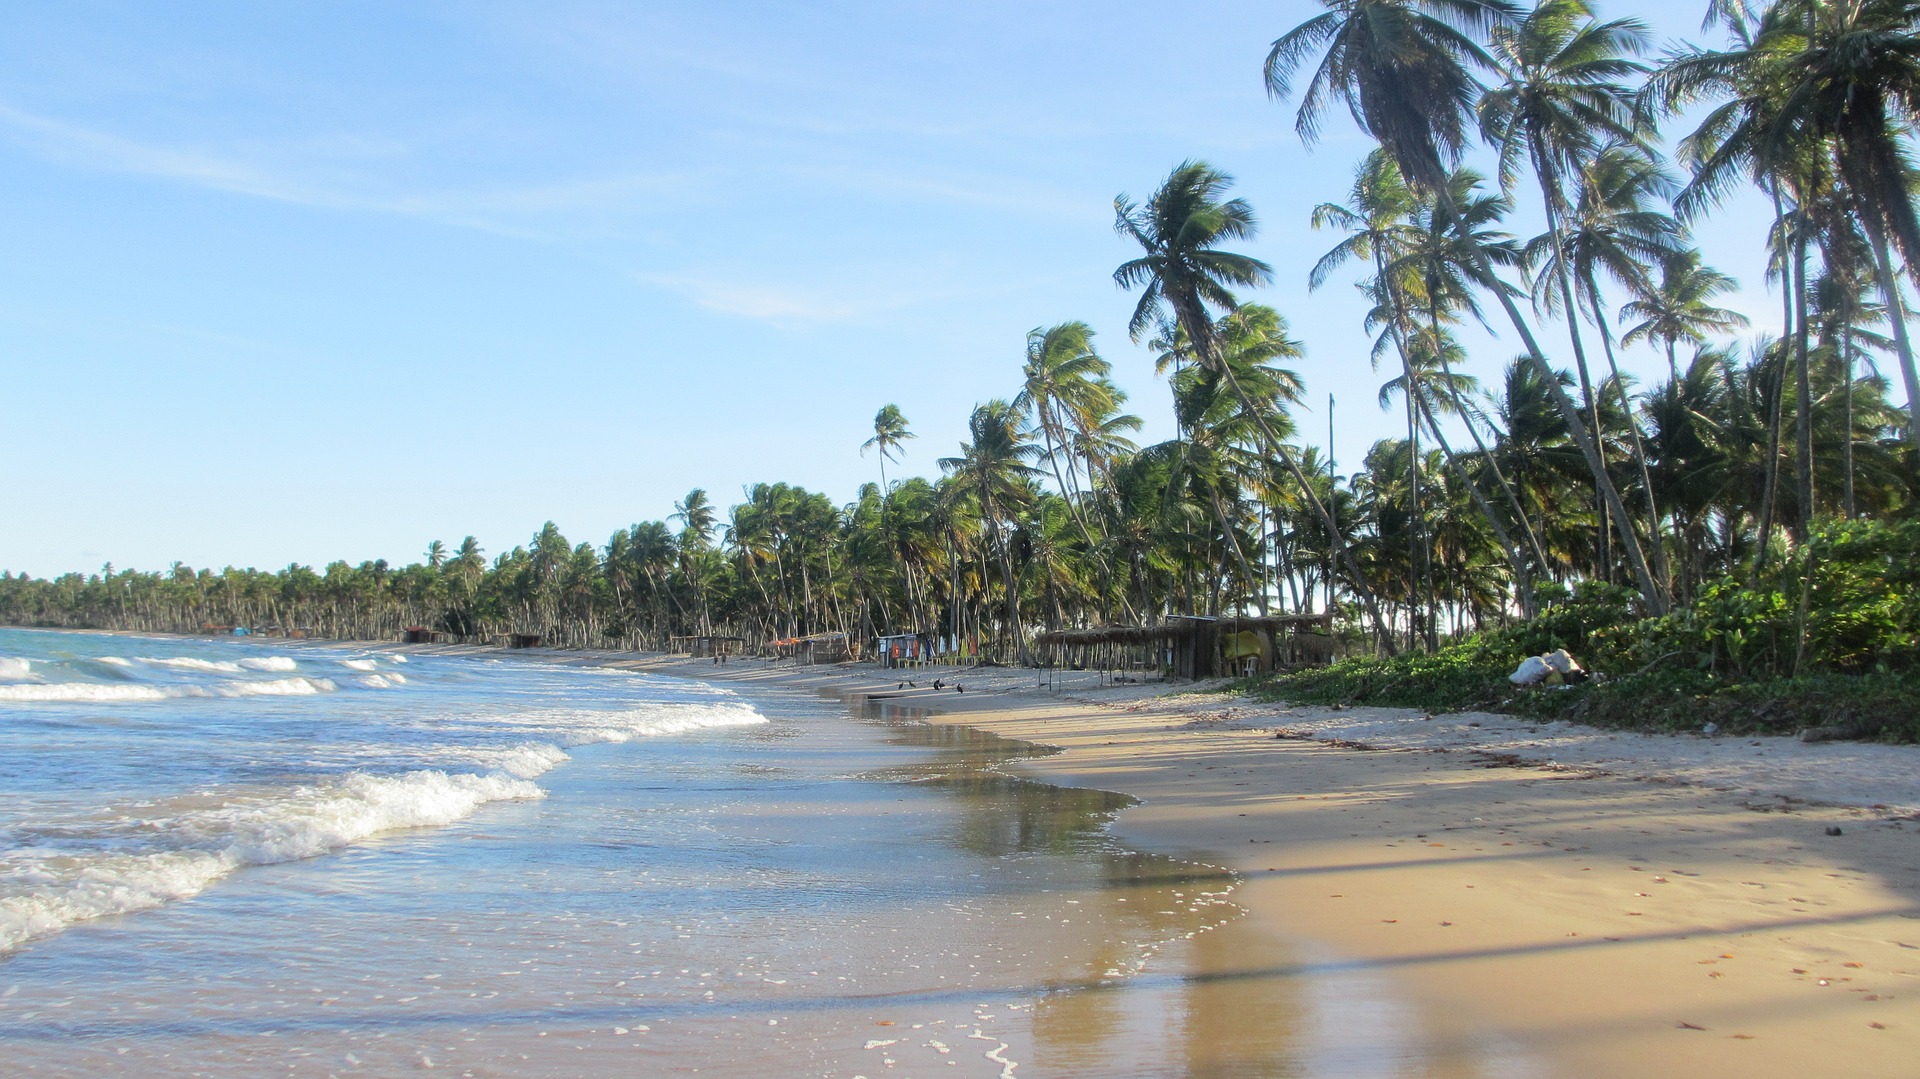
x=696, y=516
x=1610, y=227
x=992, y=470
x=1182, y=270
x=889, y=432
x=1560, y=100
x=1402, y=68
x=1414, y=266
x=1680, y=308
x=1849, y=78
x=1065, y=386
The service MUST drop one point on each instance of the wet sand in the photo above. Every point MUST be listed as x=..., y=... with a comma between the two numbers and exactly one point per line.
x=1454, y=914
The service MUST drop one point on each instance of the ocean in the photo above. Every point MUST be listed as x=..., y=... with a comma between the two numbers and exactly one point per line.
x=244, y=857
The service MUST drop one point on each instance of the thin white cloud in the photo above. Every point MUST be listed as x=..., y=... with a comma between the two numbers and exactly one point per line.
x=340, y=161
x=780, y=303
x=808, y=298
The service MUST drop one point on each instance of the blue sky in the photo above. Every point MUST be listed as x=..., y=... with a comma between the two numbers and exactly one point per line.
x=304, y=281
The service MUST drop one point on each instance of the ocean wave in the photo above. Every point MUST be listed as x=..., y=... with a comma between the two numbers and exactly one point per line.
x=360, y=664
x=14, y=667
x=204, y=666
x=50, y=889
x=575, y=727
x=141, y=691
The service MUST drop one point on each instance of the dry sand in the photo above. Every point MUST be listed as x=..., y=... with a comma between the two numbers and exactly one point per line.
x=1489, y=897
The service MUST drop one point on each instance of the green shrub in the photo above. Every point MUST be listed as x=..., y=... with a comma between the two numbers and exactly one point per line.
x=1829, y=638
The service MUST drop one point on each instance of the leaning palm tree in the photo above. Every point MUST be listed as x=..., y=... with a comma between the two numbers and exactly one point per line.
x=1414, y=268
x=1064, y=379
x=1182, y=270
x=1403, y=69
x=1611, y=227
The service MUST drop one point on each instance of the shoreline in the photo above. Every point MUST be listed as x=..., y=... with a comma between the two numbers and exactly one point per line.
x=1485, y=913
x=1476, y=896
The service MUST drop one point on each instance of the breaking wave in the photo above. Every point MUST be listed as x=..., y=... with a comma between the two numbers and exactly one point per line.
x=141, y=691
x=48, y=889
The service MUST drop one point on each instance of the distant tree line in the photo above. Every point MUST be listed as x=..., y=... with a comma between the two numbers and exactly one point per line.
x=1507, y=489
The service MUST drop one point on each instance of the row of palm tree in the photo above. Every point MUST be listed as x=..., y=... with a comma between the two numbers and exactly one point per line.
x=1512, y=478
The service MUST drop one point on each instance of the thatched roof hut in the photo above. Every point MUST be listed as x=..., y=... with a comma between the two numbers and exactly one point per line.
x=1193, y=646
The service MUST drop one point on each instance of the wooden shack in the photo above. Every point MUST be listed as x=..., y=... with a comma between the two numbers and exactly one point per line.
x=707, y=645
x=815, y=648
x=1196, y=646
x=901, y=649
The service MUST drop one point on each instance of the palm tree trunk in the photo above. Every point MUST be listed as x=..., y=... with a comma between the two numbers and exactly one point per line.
x=1420, y=539
x=1803, y=388
x=1661, y=570
x=1550, y=197
x=1897, y=313
x=1233, y=543
x=1846, y=377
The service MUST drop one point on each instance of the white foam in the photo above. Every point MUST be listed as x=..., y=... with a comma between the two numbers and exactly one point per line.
x=189, y=663
x=360, y=664
x=268, y=663
x=50, y=890
x=15, y=667
x=574, y=727
x=123, y=691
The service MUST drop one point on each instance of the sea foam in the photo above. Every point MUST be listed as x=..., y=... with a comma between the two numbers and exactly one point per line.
x=50, y=889
x=141, y=691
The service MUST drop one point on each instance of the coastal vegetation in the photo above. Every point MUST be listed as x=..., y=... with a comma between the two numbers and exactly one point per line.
x=1739, y=530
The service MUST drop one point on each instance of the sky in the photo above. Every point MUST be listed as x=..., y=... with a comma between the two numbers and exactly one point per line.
x=299, y=282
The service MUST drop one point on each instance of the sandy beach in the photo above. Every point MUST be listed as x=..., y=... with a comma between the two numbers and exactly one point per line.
x=1476, y=895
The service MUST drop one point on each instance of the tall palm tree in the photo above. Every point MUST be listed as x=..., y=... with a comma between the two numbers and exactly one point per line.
x=696, y=516
x=1611, y=227
x=890, y=430
x=1851, y=75
x=1415, y=267
x=1065, y=384
x=1402, y=67
x=1680, y=307
x=1561, y=98
x=993, y=470
x=1183, y=270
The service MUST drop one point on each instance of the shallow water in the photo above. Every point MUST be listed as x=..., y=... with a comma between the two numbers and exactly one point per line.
x=794, y=891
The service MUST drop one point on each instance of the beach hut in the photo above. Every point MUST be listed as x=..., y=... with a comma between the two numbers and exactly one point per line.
x=1196, y=646
x=822, y=647
x=900, y=649
x=707, y=645
x=523, y=640
x=418, y=635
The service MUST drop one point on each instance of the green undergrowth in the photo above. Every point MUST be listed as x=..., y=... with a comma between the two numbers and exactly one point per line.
x=1830, y=639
